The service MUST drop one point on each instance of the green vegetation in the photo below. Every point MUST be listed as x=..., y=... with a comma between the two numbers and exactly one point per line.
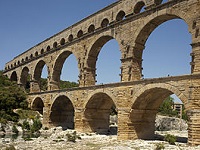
x=27, y=114
x=37, y=125
x=160, y=146
x=15, y=130
x=11, y=97
x=166, y=109
x=63, y=84
x=171, y=139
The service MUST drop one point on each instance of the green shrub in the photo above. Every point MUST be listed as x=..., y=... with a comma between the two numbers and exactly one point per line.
x=171, y=139
x=37, y=125
x=25, y=125
x=15, y=130
x=160, y=146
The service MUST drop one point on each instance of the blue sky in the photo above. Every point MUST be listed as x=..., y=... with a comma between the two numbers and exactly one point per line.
x=26, y=23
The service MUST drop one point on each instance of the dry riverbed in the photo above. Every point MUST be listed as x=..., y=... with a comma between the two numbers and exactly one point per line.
x=56, y=139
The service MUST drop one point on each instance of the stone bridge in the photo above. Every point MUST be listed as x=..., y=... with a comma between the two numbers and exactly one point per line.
x=87, y=108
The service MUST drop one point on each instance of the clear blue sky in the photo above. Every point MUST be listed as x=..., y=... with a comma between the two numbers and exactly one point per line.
x=25, y=23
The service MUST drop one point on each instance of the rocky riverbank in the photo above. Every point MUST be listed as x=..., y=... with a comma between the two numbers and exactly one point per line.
x=56, y=139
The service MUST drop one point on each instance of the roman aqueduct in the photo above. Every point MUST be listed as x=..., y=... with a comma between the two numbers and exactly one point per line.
x=87, y=107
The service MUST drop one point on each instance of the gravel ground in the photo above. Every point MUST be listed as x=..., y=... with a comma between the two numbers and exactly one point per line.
x=59, y=141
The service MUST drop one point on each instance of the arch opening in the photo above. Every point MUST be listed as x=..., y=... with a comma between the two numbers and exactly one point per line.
x=100, y=115
x=104, y=23
x=13, y=76
x=80, y=33
x=25, y=79
x=170, y=56
x=104, y=58
x=91, y=28
x=152, y=104
x=120, y=16
x=62, y=113
x=139, y=7
x=38, y=105
x=66, y=70
x=41, y=75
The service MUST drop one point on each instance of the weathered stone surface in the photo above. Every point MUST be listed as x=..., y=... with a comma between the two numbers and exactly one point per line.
x=165, y=123
x=87, y=108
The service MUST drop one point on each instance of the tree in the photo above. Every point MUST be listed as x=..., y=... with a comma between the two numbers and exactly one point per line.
x=166, y=107
x=63, y=84
x=11, y=97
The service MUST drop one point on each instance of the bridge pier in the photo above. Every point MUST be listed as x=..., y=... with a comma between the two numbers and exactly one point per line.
x=34, y=86
x=194, y=127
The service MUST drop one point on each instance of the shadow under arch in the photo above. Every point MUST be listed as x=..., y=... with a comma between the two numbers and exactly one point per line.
x=145, y=107
x=13, y=76
x=97, y=114
x=62, y=113
x=38, y=105
x=25, y=78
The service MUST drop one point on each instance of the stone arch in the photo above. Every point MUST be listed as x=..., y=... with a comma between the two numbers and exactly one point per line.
x=93, y=53
x=91, y=28
x=37, y=105
x=143, y=32
x=31, y=56
x=55, y=44
x=104, y=23
x=62, y=41
x=58, y=65
x=70, y=38
x=100, y=91
x=48, y=48
x=36, y=54
x=38, y=69
x=120, y=16
x=13, y=76
x=145, y=107
x=97, y=113
x=62, y=112
x=138, y=7
x=80, y=33
x=166, y=88
x=38, y=73
x=42, y=51
x=24, y=78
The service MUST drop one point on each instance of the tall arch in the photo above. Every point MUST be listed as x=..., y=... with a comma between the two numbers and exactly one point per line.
x=170, y=47
x=25, y=78
x=38, y=73
x=92, y=57
x=13, y=76
x=144, y=32
x=59, y=63
x=97, y=113
x=38, y=105
x=62, y=113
